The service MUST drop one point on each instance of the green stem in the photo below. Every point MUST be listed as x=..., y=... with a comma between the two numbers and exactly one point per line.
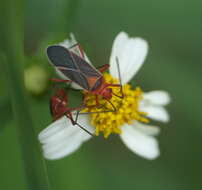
x=70, y=14
x=64, y=23
x=5, y=112
x=12, y=50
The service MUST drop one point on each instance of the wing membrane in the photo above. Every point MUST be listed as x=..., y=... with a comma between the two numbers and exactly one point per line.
x=73, y=66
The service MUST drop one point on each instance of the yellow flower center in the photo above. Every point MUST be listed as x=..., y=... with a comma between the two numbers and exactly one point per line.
x=126, y=109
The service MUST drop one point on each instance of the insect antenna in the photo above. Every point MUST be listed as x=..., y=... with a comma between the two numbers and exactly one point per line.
x=120, y=80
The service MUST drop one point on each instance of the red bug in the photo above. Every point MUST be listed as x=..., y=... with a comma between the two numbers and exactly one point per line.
x=78, y=70
x=59, y=107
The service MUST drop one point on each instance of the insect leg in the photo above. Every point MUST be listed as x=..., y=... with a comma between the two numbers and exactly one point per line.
x=114, y=108
x=98, y=105
x=117, y=85
x=69, y=115
x=59, y=80
x=74, y=122
x=56, y=108
x=77, y=114
x=103, y=68
x=92, y=106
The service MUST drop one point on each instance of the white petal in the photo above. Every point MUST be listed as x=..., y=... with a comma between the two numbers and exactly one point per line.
x=139, y=143
x=84, y=120
x=53, y=128
x=63, y=152
x=131, y=53
x=146, y=129
x=69, y=131
x=118, y=44
x=67, y=145
x=64, y=147
x=155, y=112
x=157, y=97
x=62, y=138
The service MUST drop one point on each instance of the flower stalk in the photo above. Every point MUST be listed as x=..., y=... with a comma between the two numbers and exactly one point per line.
x=12, y=57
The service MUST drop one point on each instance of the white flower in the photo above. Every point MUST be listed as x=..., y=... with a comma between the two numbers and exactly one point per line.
x=61, y=138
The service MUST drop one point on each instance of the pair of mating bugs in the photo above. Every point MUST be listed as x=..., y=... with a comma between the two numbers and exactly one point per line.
x=74, y=68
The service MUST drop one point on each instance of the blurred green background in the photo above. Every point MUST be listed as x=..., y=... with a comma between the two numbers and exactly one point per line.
x=174, y=32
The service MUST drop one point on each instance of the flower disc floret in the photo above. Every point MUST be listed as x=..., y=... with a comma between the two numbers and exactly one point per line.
x=127, y=109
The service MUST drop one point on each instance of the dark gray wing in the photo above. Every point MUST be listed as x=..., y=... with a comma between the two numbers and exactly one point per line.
x=72, y=66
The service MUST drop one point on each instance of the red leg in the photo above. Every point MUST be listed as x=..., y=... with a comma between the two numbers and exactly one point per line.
x=69, y=115
x=77, y=108
x=92, y=106
x=59, y=80
x=61, y=94
x=113, y=85
x=98, y=105
x=103, y=68
x=121, y=89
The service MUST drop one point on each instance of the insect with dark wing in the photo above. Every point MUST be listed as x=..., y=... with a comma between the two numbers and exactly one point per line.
x=59, y=107
x=76, y=69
